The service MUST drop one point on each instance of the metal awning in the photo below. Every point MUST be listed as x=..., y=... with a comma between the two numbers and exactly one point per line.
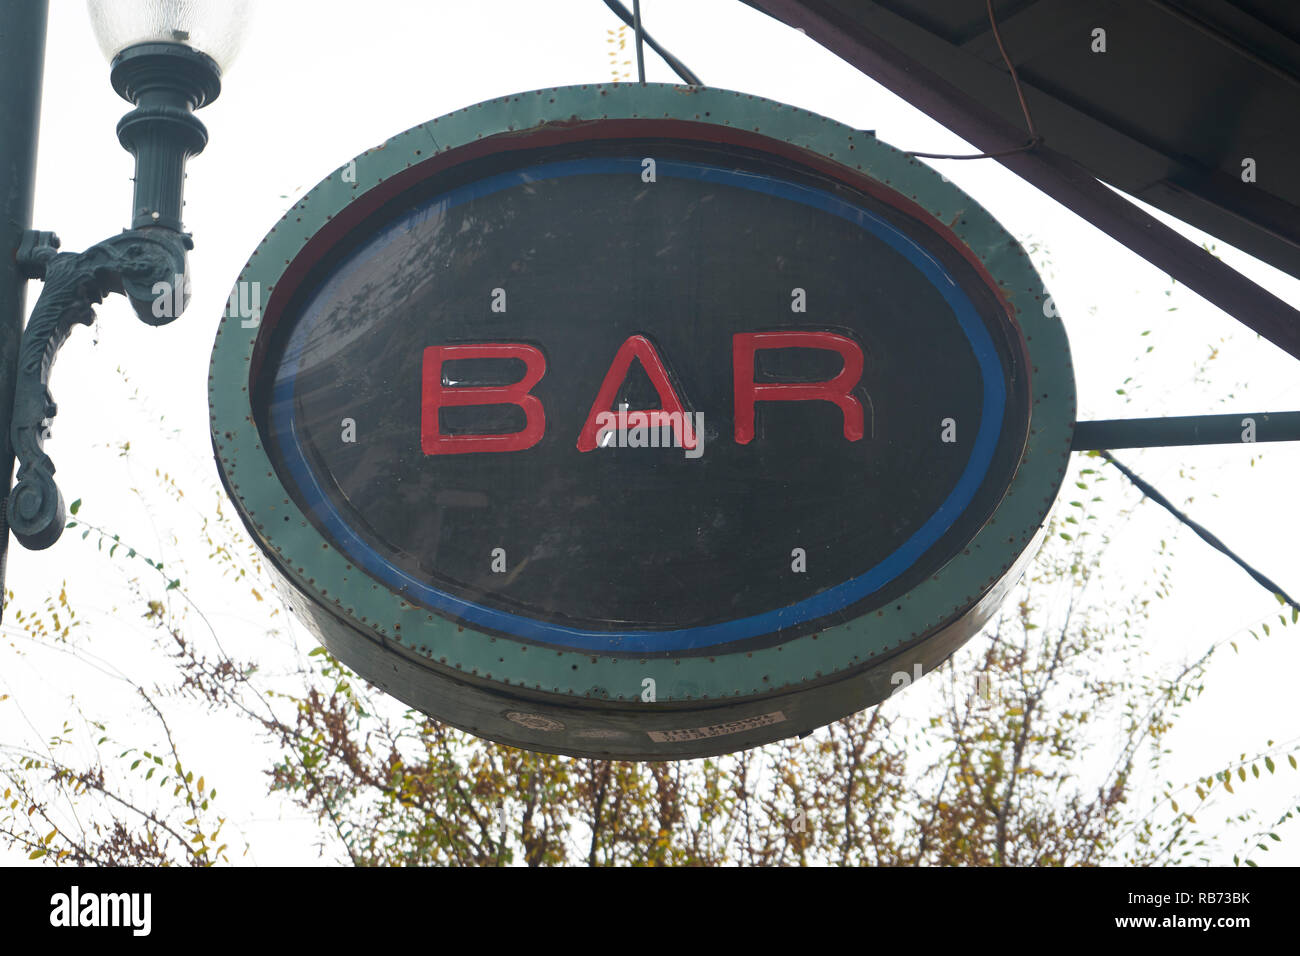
x=1184, y=94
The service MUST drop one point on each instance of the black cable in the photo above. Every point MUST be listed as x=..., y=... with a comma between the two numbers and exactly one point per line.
x=1205, y=535
x=677, y=65
x=1034, y=138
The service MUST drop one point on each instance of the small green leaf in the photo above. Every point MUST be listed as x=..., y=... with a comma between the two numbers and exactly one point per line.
x=74, y=507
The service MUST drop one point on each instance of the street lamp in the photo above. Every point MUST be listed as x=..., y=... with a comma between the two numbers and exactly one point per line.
x=167, y=58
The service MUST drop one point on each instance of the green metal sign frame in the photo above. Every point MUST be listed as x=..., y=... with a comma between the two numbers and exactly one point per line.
x=588, y=704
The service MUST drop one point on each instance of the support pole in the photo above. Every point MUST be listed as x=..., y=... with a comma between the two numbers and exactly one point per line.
x=640, y=36
x=1238, y=429
x=22, y=65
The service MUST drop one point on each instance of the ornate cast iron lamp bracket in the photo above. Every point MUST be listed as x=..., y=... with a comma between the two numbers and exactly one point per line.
x=166, y=82
x=146, y=265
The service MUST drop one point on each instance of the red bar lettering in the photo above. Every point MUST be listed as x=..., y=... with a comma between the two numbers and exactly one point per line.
x=434, y=395
x=640, y=347
x=835, y=390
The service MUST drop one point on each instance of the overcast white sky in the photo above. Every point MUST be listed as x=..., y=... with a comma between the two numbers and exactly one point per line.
x=317, y=83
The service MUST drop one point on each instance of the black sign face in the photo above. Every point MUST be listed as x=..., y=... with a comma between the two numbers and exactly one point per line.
x=646, y=398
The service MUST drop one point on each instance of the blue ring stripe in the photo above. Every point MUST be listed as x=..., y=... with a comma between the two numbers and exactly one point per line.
x=285, y=431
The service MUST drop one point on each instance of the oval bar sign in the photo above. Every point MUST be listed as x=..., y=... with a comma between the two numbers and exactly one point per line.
x=641, y=421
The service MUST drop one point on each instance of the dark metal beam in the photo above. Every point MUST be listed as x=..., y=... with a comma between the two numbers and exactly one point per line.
x=1241, y=428
x=1215, y=33
x=1054, y=173
x=1032, y=30
x=22, y=65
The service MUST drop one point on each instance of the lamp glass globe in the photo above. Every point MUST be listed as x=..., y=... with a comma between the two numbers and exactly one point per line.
x=214, y=27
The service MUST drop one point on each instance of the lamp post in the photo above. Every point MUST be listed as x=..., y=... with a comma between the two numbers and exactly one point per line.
x=22, y=60
x=166, y=60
